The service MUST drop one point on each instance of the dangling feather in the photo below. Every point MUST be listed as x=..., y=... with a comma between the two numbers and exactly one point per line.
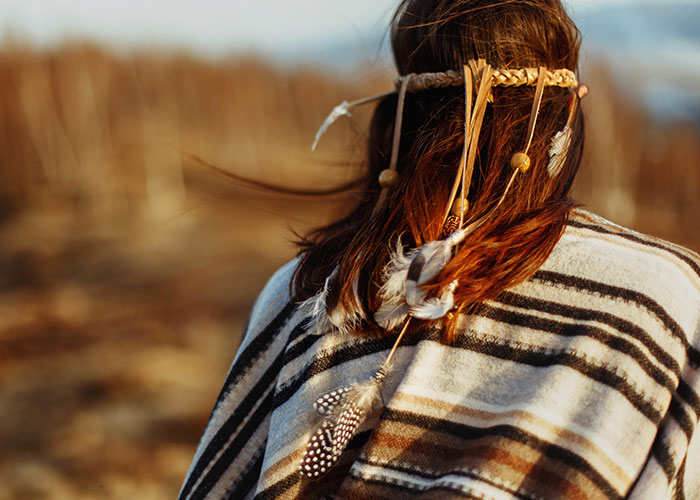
x=428, y=263
x=558, y=151
x=315, y=308
x=340, y=110
x=402, y=293
x=347, y=319
x=344, y=411
x=391, y=314
x=322, y=318
x=435, y=308
x=393, y=309
x=343, y=109
x=395, y=273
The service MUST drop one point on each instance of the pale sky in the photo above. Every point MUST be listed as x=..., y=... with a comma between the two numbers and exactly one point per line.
x=212, y=27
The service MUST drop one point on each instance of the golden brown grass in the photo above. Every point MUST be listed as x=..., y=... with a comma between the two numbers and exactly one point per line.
x=128, y=271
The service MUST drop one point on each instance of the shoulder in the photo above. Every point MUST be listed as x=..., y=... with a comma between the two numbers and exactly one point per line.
x=613, y=267
x=593, y=244
x=274, y=303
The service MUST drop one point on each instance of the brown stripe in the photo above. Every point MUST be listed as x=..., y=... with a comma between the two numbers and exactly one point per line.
x=354, y=489
x=493, y=457
x=281, y=468
x=620, y=477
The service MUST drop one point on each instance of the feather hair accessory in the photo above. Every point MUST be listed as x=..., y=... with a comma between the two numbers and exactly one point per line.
x=323, y=318
x=561, y=142
x=558, y=151
x=343, y=412
x=404, y=276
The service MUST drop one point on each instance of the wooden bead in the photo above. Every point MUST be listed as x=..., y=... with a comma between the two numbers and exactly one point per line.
x=457, y=207
x=388, y=178
x=521, y=161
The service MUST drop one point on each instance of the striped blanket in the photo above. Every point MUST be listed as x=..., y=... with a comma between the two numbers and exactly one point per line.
x=581, y=383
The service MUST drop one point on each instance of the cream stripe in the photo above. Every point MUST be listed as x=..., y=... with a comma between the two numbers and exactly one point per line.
x=595, y=220
x=618, y=239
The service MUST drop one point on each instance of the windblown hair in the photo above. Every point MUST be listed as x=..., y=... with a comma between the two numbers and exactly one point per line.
x=437, y=35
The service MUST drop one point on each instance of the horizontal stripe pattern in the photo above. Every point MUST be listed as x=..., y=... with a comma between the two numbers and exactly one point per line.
x=580, y=383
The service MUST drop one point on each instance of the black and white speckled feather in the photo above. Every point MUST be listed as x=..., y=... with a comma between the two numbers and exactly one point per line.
x=344, y=410
x=406, y=273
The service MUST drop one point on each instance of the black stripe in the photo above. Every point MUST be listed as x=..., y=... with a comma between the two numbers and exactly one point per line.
x=300, y=347
x=362, y=347
x=550, y=450
x=679, y=493
x=277, y=489
x=541, y=359
x=688, y=394
x=563, y=329
x=433, y=477
x=232, y=423
x=646, y=242
x=663, y=456
x=582, y=314
x=299, y=330
x=249, y=479
x=627, y=295
x=252, y=351
x=680, y=415
x=229, y=454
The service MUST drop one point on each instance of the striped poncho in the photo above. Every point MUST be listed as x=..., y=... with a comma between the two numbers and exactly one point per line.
x=581, y=383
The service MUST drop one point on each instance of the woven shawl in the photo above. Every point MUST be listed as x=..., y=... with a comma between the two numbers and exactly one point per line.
x=580, y=383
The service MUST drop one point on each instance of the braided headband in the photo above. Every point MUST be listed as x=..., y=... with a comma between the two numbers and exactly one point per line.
x=478, y=78
x=500, y=78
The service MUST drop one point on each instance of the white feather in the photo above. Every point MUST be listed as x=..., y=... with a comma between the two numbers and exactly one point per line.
x=437, y=254
x=394, y=274
x=391, y=315
x=347, y=320
x=315, y=308
x=435, y=307
x=558, y=151
x=402, y=295
x=340, y=110
x=322, y=320
x=428, y=263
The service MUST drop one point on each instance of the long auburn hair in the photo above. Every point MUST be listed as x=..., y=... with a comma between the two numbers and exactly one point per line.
x=436, y=35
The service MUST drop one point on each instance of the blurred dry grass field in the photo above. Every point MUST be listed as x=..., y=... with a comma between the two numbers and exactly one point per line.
x=126, y=272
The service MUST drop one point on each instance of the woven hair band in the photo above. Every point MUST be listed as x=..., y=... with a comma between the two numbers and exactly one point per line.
x=499, y=78
x=417, y=82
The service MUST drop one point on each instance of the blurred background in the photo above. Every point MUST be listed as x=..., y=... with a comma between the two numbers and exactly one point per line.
x=127, y=269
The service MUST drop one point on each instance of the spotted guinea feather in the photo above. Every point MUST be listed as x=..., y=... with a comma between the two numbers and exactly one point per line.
x=344, y=411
